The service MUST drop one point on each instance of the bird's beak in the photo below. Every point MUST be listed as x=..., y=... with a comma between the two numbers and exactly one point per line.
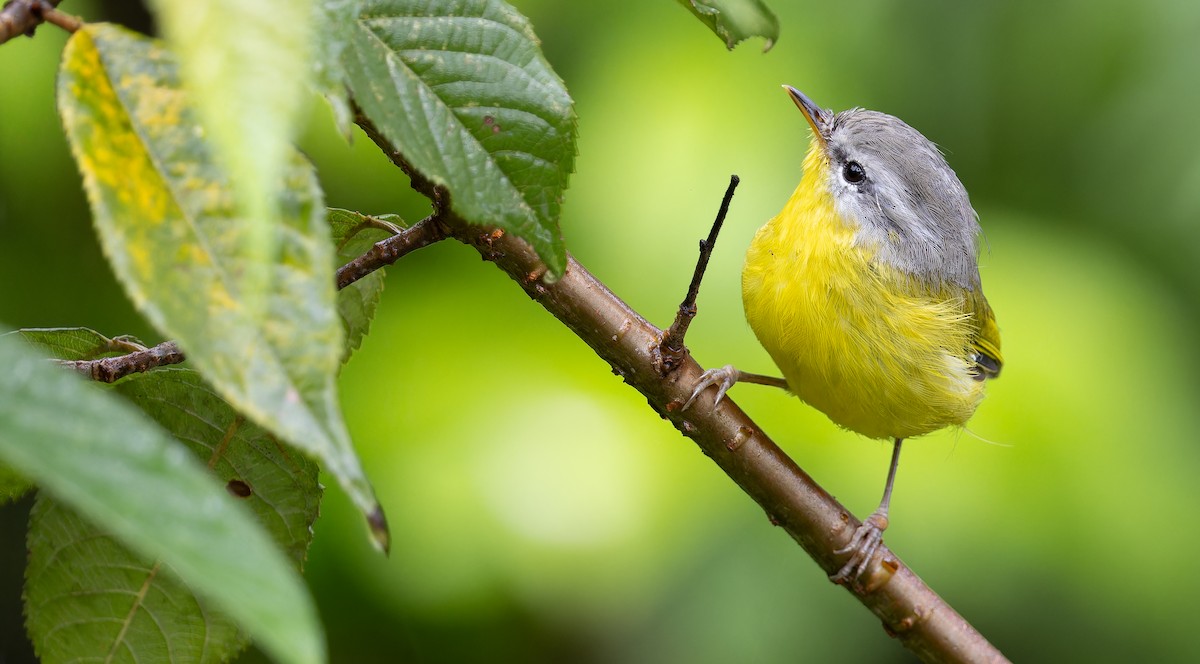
x=818, y=118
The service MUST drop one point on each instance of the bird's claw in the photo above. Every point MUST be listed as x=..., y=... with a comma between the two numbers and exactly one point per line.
x=723, y=378
x=862, y=547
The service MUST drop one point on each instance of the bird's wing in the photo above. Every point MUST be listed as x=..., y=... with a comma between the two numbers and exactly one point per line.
x=986, y=342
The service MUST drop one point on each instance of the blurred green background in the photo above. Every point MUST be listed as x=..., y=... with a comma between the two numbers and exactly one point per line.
x=542, y=513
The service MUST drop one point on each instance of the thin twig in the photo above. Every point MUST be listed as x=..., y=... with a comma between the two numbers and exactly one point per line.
x=112, y=369
x=391, y=249
x=21, y=17
x=672, y=349
x=63, y=20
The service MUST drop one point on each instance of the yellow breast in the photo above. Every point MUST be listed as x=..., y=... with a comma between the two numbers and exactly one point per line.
x=876, y=351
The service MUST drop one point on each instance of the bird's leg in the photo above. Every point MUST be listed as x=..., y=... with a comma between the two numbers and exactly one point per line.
x=868, y=536
x=725, y=377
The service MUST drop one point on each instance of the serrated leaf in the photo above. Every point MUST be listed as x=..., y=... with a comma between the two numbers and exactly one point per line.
x=97, y=597
x=167, y=222
x=462, y=90
x=107, y=461
x=88, y=598
x=280, y=487
x=353, y=235
x=247, y=66
x=735, y=21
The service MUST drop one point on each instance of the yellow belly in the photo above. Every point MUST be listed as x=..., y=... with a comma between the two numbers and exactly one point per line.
x=860, y=341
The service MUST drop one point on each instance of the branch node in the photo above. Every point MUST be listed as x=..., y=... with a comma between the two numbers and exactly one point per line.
x=22, y=17
x=743, y=434
x=905, y=624
x=881, y=570
x=485, y=241
x=535, y=274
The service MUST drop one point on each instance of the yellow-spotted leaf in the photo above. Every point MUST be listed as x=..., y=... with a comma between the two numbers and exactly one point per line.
x=247, y=67
x=170, y=227
x=462, y=90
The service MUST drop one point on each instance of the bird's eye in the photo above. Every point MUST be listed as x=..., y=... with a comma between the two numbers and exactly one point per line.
x=853, y=172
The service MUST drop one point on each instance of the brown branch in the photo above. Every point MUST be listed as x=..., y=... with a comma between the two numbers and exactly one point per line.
x=112, y=369
x=417, y=180
x=391, y=249
x=22, y=17
x=672, y=350
x=910, y=610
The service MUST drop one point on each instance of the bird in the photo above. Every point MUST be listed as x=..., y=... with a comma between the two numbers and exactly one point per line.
x=865, y=291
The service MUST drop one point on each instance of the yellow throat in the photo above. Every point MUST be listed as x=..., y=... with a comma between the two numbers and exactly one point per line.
x=881, y=352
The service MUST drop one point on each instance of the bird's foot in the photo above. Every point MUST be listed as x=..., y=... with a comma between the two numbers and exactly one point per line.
x=723, y=378
x=862, y=548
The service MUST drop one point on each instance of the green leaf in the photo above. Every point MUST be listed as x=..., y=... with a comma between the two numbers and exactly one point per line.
x=246, y=66
x=167, y=222
x=89, y=598
x=12, y=485
x=353, y=235
x=105, y=460
x=736, y=20
x=95, y=596
x=71, y=343
x=78, y=343
x=279, y=486
x=334, y=20
x=462, y=90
